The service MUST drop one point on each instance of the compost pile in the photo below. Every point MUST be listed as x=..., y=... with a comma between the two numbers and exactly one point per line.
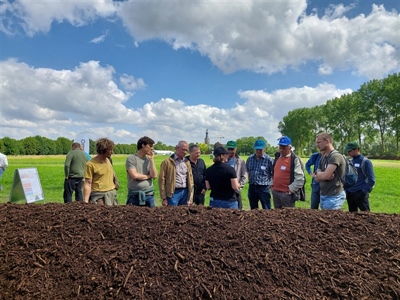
x=56, y=251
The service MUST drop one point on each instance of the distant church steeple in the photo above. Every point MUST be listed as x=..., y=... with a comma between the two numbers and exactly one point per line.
x=207, y=139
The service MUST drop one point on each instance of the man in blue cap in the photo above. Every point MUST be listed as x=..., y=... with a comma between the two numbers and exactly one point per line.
x=288, y=176
x=259, y=167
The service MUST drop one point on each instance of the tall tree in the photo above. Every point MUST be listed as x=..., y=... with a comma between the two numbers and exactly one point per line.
x=377, y=105
x=391, y=91
x=298, y=125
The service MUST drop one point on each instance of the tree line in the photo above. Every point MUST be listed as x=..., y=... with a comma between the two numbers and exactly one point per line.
x=370, y=115
x=39, y=145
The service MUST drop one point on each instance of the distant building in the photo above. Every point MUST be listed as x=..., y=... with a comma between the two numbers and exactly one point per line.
x=207, y=139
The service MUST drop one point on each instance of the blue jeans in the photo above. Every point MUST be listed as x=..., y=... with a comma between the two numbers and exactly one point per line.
x=223, y=204
x=333, y=202
x=134, y=200
x=178, y=198
x=259, y=192
x=315, y=196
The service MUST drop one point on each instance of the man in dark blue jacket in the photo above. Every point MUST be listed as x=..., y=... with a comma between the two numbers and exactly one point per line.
x=199, y=174
x=358, y=195
x=313, y=161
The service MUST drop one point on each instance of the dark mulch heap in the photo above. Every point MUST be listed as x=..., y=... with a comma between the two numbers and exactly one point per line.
x=56, y=251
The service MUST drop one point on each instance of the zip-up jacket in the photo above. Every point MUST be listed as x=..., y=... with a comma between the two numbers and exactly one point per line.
x=167, y=178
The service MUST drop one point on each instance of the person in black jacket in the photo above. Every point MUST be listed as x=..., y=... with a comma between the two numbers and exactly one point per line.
x=199, y=174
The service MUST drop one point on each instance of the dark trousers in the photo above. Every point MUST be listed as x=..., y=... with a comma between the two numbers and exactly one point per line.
x=199, y=199
x=73, y=185
x=358, y=200
x=239, y=199
x=260, y=193
x=315, y=196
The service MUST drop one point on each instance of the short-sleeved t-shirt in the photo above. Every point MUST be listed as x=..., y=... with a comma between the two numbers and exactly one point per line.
x=101, y=174
x=142, y=166
x=219, y=177
x=334, y=186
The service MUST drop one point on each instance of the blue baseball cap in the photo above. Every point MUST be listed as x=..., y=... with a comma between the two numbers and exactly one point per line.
x=284, y=141
x=259, y=144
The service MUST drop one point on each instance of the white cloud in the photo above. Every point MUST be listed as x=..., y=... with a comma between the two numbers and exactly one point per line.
x=261, y=36
x=37, y=16
x=131, y=83
x=53, y=103
x=269, y=37
x=100, y=39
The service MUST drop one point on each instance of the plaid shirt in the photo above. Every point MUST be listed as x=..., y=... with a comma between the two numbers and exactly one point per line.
x=260, y=170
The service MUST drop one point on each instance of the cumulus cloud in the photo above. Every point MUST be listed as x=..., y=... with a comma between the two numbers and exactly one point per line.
x=37, y=16
x=261, y=36
x=57, y=103
x=270, y=37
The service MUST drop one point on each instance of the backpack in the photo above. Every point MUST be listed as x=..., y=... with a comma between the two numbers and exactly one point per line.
x=350, y=174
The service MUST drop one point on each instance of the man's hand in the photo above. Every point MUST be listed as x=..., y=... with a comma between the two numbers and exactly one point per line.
x=150, y=156
x=164, y=202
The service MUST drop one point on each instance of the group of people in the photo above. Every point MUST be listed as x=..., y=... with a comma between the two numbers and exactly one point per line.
x=184, y=178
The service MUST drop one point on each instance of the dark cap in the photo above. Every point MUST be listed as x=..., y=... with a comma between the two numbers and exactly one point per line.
x=231, y=144
x=219, y=151
x=350, y=146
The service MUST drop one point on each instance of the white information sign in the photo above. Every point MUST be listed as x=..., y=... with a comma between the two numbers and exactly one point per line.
x=26, y=185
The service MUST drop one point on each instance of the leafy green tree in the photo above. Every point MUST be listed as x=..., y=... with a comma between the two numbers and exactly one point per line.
x=296, y=125
x=391, y=91
x=204, y=148
x=63, y=145
x=377, y=106
x=46, y=146
x=31, y=145
x=11, y=146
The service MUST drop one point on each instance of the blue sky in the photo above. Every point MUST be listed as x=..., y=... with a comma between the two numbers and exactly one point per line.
x=172, y=69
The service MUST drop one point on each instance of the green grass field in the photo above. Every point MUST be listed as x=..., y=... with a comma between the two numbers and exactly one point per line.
x=384, y=198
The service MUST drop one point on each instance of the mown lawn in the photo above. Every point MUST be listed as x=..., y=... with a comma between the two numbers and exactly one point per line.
x=383, y=199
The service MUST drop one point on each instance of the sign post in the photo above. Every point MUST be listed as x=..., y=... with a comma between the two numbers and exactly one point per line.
x=26, y=186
